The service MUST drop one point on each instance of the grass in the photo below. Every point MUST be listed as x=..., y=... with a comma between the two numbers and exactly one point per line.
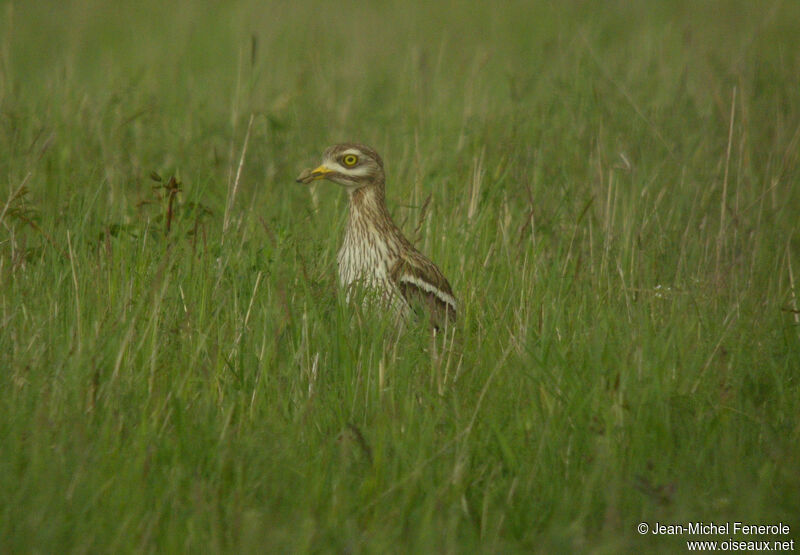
x=614, y=195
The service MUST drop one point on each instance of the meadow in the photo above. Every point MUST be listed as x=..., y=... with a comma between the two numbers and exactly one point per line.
x=612, y=189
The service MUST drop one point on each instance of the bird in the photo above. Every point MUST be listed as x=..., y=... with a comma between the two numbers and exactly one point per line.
x=374, y=252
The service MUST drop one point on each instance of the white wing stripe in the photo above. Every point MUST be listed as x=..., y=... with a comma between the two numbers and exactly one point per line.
x=425, y=286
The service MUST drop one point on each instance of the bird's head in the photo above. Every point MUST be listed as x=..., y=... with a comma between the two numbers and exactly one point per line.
x=351, y=165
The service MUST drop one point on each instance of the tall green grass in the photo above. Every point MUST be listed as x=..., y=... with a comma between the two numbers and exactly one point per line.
x=613, y=191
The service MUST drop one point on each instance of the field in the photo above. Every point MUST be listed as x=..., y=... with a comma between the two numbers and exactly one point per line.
x=613, y=190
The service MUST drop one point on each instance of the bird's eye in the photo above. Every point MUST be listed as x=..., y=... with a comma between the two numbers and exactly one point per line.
x=350, y=160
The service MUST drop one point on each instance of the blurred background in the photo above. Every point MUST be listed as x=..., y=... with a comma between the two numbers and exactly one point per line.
x=130, y=87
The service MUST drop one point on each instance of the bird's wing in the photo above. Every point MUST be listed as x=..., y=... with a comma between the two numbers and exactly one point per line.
x=423, y=285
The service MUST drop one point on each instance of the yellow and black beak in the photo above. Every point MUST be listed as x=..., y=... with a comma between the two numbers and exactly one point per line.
x=307, y=176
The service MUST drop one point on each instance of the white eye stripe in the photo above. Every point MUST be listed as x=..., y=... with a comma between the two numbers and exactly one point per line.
x=358, y=171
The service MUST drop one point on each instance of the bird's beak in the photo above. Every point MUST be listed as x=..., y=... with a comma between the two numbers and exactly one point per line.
x=307, y=176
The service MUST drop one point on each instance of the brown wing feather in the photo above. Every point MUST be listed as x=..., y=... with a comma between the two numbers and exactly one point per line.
x=422, y=284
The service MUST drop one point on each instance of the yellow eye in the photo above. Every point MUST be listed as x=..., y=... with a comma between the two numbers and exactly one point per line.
x=350, y=160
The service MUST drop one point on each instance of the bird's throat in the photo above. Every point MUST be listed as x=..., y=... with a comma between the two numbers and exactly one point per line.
x=368, y=202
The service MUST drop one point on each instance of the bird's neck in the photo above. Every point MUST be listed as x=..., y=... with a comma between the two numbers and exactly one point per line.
x=369, y=217
x=371, y=240
x=369, y=203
